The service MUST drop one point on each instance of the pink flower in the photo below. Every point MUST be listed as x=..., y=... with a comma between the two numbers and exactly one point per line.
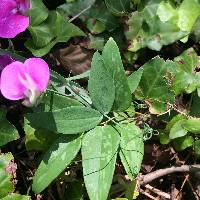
x=13, y=19
x=25, y=80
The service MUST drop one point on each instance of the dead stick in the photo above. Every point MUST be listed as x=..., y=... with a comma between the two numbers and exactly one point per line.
x=185, y=179
x=147, y=194
x=193, y=191
x=157, y=191
x=144, y=179
x=76, y=16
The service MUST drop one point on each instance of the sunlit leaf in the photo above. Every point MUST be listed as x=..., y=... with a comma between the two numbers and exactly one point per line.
x=6, y=185
x=38, y=12
x=192, y=125
x=113, y=62
x=153, y=86
x=99, y=152
x=55, y=160
x=101, y=85
x=134, y=79
x=178, y=130
x=16, y=197
x=131, y=148
x=183, y=142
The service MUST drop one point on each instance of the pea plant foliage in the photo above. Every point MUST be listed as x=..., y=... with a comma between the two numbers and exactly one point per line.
x=89, y=127
x=74, y=135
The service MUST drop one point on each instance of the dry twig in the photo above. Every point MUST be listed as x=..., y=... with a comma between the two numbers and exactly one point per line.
x=147, y=194
x=157, y=191
x=193, y=191
x=144, y=179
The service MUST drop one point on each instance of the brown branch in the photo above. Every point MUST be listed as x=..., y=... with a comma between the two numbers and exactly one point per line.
x=193, y=191
x=144, y=179
x=147, y=194
x=78, y=15
x=183, y=184
x=157, y=191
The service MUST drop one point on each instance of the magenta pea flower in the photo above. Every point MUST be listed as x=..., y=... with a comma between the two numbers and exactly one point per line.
x=13, y=19
x=26, y=80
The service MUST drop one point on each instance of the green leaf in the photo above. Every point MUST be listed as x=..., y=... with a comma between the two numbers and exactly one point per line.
x=192, y=125
x=153, y=86
x=184, y=16
x=83, y=75
x=196, y=30
x=188, y=12
x=175, y=119
x=63, y=29
x=37, y=13
x=2, y=114
x=118, y=7
x=99, y=152
x=16, y=197
x=182, y=143
x=96, y=43
x=135, y=24
x=151, y=31
x=38, y=139
x=70, y=1
x=100, y=85
x=156, y=107
x=51, y=31
x=102, y=14
x=131, y=190
x=164, y=138
x=95, y=26
x=79, y=93
x=55, y=160
x=131, y=148
x=113, y=62
x=178, y=130
x=37, y=51
x=52, y=102
x=70, y=120
x=134, y=79
x=41, y=139
x=6, y=185
x=195, y=105
x=8, y=132
x=74, y=8
x=41, y=35
x=184, y=82
x=187, y=61
x=196, y=147
x=58, y=82
x=186, y=79
x=167, y=12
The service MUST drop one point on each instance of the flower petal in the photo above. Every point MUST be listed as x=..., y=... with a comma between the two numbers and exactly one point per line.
x=12, y=25
x=24, y=6
x=6, y=7
x=11, y=87
x=38, y=70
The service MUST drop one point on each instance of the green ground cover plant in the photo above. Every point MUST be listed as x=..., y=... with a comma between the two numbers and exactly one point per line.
x=100, y=99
